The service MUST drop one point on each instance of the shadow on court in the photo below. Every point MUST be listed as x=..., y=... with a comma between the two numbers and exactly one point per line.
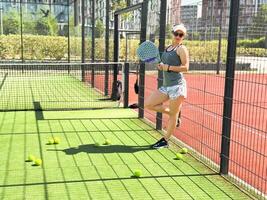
x=91, y=148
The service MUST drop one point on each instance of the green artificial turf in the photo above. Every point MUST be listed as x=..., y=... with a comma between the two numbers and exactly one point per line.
x=77, y=169
x=49, y=92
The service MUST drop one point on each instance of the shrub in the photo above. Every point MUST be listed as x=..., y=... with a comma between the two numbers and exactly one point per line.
x=11, y=22
x=46, y=26
x=42, y=47
x=252, y=43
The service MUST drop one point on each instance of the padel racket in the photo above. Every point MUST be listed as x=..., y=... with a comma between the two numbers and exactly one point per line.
x=148, y=52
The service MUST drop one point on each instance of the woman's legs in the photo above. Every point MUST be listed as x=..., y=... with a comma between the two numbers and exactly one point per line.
x=155, y=102
x=174, y=108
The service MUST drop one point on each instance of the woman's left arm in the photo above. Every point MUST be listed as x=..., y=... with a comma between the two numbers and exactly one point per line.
x=184, y=56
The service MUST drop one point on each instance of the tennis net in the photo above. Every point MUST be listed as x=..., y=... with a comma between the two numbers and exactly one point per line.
x=58, y=86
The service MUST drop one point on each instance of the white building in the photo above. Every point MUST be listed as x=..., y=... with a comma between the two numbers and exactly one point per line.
x=190, y=16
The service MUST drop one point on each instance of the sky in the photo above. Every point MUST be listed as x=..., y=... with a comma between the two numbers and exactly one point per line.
x=190, y=2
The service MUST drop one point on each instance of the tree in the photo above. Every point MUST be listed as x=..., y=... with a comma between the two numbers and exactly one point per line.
x=42, y=27
x=117, y=4
x=99, y=30
x=69, y=27
x=47, y=26
x=169, y=31
x=11, y=23
x=120, y=4
x=29, y=22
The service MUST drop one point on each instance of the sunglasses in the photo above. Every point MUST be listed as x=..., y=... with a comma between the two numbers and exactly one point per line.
x=178, y=34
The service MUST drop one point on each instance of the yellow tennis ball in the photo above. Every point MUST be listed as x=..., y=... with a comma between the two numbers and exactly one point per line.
x=56, y=140
x=107, y=142
x=137, y=173
x=38, y=162
x=184, y=151
x=51, y=141
x=179, y=156
x=31, y=158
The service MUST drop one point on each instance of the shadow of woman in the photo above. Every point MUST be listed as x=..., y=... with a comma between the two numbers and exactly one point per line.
x=91, y=148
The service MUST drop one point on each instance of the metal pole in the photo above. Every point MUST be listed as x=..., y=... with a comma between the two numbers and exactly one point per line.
x=116, y=42
x=116, y=55
x=220, y=39
x=116, y=38
x=83, y=42
x=128, y=9
x=21, y=33
x=75, y=9
x=93, y=31
x=93, y=44
x=83, y=32
x=162, y=31
x=107, y=48
x=126, y=85
x=211, y=26
x=107, y=32
x=126, y=47
x=229, y=86
x=1, y=18
x=141, y=93
x=50, y=5
x=206, y=22
x=68, y=10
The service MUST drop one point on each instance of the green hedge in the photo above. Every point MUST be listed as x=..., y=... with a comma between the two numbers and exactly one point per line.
x=10, y=47
x=56, y=48
x=252, y=43
x=35, y=47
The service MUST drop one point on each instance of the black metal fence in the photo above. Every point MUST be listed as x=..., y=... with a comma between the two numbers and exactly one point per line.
x=224, y=118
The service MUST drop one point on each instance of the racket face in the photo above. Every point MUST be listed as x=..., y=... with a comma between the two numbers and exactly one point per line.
x=148, y=52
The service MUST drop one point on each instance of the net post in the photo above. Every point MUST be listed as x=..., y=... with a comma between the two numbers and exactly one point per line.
x=229, y=87
x=83, y=72
x=93, y=76
x=106, y=79
x=141, y=94
x=162, y=30
x=126, y=85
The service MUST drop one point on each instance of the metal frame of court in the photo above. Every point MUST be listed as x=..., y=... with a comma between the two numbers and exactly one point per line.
x=229, y=81
x=144, y=10
x=229, y=76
